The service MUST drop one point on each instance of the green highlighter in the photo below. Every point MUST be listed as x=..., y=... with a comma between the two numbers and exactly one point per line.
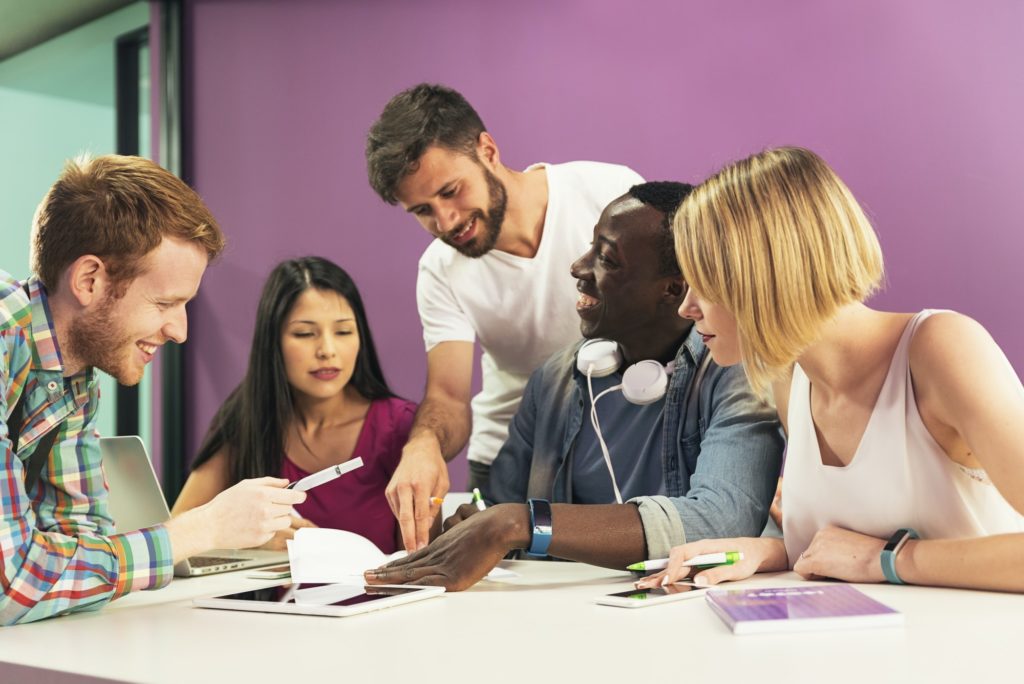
x=702, y=562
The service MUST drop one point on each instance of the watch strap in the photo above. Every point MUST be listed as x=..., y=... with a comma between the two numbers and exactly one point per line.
x=540, y=527
x=891, y=550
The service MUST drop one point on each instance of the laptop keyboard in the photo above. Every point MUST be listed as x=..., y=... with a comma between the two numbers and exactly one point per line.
x=207, y=561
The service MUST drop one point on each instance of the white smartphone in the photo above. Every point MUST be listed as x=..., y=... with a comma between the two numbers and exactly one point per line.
x=274, y=572
x=326, y=475
x=330, y=600
x=642, y=598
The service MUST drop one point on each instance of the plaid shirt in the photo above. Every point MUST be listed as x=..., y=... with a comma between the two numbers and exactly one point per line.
x=58, y=552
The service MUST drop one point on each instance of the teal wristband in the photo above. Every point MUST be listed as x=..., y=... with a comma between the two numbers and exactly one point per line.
x=540, y=527
x=892, y=548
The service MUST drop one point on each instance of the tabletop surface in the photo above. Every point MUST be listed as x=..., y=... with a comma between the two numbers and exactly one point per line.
x=542, y=624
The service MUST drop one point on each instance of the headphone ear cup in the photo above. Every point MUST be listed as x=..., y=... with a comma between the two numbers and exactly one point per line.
x=603, y=355
x=644, y=383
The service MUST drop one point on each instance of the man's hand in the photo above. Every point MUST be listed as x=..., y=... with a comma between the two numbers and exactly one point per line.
x=459, y=558
x=461, y=513
x=279, y=541
x=240, y=517
x=249, y=513
x=422, y=474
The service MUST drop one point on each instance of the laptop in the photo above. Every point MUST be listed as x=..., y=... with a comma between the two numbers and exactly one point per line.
x=136, y=501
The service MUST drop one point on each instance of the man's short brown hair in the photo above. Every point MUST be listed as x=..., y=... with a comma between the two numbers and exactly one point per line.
x=119, y=209
x=412, y=121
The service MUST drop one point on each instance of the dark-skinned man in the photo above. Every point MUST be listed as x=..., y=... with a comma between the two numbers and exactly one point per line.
x=699, y=462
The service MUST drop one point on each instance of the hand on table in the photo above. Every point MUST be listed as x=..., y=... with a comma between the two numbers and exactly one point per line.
x=760, y=554
x=843, y=555
x=463, y=555
x=422, y=474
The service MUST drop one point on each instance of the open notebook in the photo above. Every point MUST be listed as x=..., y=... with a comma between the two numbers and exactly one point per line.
x=319, y=555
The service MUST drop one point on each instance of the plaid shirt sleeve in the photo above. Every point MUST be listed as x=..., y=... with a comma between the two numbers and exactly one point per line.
x=58, y=552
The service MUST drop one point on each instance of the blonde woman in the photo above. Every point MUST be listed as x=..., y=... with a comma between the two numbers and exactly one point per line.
x=905, y=458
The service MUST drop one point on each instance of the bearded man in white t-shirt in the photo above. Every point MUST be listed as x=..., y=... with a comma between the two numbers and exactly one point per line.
x=495, y=273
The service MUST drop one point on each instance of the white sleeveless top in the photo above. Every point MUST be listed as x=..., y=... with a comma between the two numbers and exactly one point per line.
x=898, y=477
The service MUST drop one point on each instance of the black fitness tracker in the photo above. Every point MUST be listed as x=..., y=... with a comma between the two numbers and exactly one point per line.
x=896, y=542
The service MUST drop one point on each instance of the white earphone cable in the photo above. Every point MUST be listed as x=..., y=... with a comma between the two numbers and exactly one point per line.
x=597, y=428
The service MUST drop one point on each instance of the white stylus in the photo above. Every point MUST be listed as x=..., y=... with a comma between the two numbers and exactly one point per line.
x=325, y=475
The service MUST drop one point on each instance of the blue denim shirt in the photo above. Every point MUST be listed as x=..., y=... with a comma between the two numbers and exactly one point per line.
x=721, y=454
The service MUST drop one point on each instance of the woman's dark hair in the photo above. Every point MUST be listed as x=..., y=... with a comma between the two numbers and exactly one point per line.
x=252, y=421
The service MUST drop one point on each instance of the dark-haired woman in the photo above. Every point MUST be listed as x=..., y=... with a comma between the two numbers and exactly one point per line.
x=313, y=396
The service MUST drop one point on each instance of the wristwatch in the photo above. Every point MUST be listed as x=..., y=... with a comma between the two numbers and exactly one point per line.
x=892, y=547
x=540, y=526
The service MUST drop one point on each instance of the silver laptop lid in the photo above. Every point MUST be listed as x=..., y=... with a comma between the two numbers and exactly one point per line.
x=135, y=499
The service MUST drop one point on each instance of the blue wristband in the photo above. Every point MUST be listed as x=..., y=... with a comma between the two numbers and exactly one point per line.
x=540, y=526
x=892, y=548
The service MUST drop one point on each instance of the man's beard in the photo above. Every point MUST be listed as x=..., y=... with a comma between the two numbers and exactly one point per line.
x=488, y=225
x=97, y=340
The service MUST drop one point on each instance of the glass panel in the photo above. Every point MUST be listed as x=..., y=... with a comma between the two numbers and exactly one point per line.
x=59, y=98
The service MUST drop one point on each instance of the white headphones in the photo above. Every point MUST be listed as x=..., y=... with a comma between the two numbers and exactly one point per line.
x=643, y=383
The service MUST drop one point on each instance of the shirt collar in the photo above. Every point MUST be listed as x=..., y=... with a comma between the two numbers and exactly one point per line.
x=694, y=346
x=45, y=351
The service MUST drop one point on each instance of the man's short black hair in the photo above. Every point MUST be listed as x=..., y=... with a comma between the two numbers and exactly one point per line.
x=666, y=197
x=412, y=121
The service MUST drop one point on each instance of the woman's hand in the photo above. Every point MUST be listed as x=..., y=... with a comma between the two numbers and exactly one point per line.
x=843, y=555
x=760, y=554
x=279, y=541
x=776, y=509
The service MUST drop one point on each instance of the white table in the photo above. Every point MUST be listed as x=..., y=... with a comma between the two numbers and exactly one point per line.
x=540, y=626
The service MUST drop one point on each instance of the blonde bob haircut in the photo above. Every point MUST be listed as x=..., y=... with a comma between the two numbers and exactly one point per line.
x=779, y=241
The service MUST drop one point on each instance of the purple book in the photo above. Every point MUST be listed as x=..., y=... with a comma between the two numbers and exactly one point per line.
x=794, y=609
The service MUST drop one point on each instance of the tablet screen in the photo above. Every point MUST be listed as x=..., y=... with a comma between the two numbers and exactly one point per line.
x=346, y=596
x=657, y=592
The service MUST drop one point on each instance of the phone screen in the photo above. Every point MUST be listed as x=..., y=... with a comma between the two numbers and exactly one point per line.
x=657, y=592
x=285, y=593
x=275, y=569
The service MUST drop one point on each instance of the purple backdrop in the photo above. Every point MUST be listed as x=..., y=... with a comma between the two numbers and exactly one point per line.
x=918, y=106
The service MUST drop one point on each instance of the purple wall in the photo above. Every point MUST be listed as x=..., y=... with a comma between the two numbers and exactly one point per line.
x=916, y=104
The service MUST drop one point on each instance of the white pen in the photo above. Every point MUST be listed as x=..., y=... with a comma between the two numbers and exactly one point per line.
x=706, y=560
x=325, y=475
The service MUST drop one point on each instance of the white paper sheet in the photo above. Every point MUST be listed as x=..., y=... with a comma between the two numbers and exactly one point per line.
x=319, y=555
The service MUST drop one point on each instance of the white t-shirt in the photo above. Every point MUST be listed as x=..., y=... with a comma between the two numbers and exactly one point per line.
x=522, y=310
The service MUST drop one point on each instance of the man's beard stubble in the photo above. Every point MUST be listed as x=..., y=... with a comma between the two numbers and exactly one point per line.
x=97, y=340
x=489, y=224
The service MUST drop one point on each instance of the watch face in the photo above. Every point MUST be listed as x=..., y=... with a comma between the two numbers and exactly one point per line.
x=898, y=539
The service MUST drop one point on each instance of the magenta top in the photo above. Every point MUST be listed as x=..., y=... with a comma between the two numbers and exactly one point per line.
x=355, y=501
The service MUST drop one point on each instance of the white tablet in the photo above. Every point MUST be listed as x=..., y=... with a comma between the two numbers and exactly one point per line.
x=330, y=600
